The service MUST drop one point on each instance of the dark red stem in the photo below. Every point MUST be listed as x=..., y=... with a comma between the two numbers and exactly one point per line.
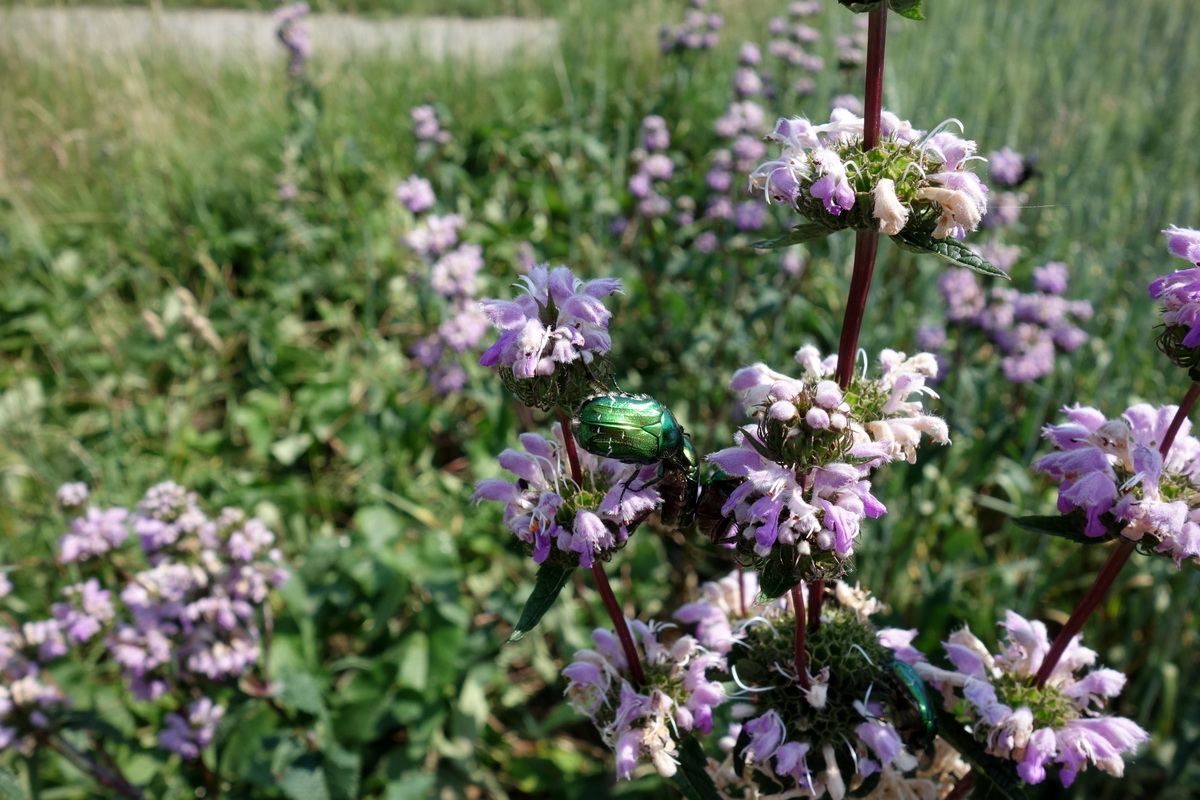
x=564, y=419
x=618, y=619
x=598, y=575
x=961, y=789
x=865, y=247
x=1116, y=560
x=876, y=38
x=801, y=656
x=816, y=592
x=867, y=242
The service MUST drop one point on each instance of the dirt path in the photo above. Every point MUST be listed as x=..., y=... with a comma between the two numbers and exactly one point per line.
x=247, y=35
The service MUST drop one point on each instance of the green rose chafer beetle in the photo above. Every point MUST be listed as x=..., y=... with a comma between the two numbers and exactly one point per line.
x=630, y=428
x=637, y=429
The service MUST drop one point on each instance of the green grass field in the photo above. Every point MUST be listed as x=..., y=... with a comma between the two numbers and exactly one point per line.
x=126, y=181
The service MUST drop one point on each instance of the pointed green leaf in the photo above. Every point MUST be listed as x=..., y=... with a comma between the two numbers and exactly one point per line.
x=798, y=235
x=997, y=772
x=551, y=579
x=776, y=579
x=1070, y=526
x=951, y=250
x=691, y=777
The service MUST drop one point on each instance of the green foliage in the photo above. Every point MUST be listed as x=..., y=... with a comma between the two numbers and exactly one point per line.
x=138, y=197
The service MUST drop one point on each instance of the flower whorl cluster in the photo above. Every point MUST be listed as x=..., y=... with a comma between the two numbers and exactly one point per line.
x=805, y=463
x=555, y=517
x=697, y=31
x=645, y=724
x=552, y=337
x=1034, y=727
x=1112, y=471
x=452, y=269
x=294, y=36
x=825, y=736
x=911, y=181
x=1179, y=294
x=185, y=621
x=1029, y=328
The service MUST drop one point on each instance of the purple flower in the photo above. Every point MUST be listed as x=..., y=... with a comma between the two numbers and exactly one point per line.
x=541, y=505
x=655, y=135
x=188, y=735
x=415, y=194
x=426, y=127
x=1036, y=727
x=559, y=319
x=93, y=534
x=453, y=275
x=1051, y=278
x=1179, y=292
x=1112, y=467
x=806, y=462
x=72, y=496
x=294, y=36
x=643, y=724
x=1007, y=167
x=88, y=608
x=749, y=215
x=749, y=55
x=435, y=235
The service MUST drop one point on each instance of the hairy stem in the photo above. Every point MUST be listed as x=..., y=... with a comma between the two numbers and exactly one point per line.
x=618, y=619
x=1116, y=560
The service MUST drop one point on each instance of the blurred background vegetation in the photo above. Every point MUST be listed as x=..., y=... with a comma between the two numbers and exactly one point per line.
x=125, y=180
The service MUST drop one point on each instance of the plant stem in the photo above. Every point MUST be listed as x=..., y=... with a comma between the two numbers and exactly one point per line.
x=816, y=593
x=618, y=620
x=113, y=780
x=1116, y=560
x=866, y=244
x=876, y=38
x=598, y=575
x=564, y=419
x=801, y=655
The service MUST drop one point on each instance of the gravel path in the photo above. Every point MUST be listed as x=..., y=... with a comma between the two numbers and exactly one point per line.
x=229, y=34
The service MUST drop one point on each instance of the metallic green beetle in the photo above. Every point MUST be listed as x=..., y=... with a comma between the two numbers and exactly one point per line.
x=641, y=430
x=629, y=428
x=916, y=720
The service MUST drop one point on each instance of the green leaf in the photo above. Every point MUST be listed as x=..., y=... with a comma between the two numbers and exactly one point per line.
x=995, y=771
x=776, y=580
x=798, y=235
x=691, y=777
x=343, y=771
x=290, y=448
x=301, y=691
x=1070, y=526
x=947, y=249
x=551, y=579
x=909, y=9
x=304, y=780
x=10, y=787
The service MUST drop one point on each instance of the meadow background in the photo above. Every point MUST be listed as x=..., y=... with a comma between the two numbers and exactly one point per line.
x=125, y=180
